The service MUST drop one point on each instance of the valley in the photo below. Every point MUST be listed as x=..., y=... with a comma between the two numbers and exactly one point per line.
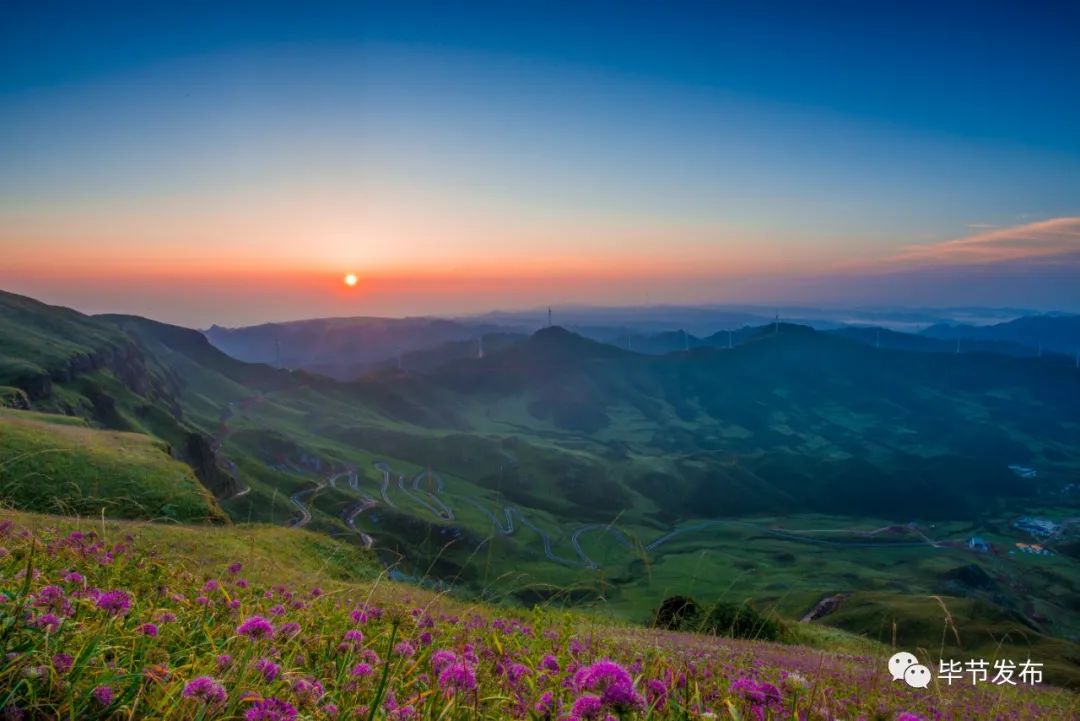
x=562, y=471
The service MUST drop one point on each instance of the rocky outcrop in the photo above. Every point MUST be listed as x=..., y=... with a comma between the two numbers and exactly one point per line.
x=824, y=607
x=14, y=398
x=35, y=385
x=124, y=359
x=155, y=386
x=199, y=454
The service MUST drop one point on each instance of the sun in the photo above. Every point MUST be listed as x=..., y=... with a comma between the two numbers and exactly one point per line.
x=350, y=279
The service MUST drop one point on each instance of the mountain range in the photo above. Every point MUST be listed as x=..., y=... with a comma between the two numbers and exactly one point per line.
x=549, y=465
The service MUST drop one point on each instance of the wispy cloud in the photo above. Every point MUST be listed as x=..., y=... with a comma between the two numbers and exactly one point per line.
x=1040, y=240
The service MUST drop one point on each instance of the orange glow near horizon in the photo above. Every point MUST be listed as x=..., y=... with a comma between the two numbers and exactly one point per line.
x=253, y=277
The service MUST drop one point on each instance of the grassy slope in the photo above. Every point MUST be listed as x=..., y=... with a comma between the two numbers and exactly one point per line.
x=674, y=426
x=270, y=554
x=965, y=628
x=58, y=464
x=196, y=624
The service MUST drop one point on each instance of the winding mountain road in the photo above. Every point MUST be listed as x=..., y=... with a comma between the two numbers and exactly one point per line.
x=385, y=490
x=575, y=541
x=506, y=525
x=305, y=513
x=365, y=504
x=511, y=517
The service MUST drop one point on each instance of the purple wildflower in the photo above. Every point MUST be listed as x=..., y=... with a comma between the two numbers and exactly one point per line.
x=458, y=676
x=614, y=684
x=256, y=627
x=271, y=709
x=267, y=668
x=308, y=691
x=62, y=663
x=103, y=695
x=545, y=705
x=441, y=659
x=759, y=694
x=516, y=672
x=53, y=598
x=657, y=693
x=206, y=690
x=117, y=602
x=48, y=621
x=148, y=629
x=587, y=708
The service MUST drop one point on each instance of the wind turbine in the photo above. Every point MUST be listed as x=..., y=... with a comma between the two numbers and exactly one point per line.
x=729, y=344
x=480, y=347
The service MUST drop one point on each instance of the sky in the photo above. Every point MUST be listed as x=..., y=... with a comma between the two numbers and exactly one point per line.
x=229, y=163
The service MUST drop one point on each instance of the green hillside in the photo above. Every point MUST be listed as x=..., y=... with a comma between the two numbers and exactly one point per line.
x=37, y=339
x=268, y=623
x=57, y=464
x=95, y=369
x=566, y=472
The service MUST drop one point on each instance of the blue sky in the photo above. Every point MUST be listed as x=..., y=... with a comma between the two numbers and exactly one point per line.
x=464, y=143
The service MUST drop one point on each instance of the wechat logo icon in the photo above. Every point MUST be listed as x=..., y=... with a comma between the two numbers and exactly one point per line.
x=904, y=666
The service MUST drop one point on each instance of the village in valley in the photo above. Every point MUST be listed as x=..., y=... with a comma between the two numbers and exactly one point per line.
x=1038, y=534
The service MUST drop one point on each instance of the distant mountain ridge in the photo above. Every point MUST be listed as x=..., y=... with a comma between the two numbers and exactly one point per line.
x=350, y=347
x=1058, y=333
x=341, y=348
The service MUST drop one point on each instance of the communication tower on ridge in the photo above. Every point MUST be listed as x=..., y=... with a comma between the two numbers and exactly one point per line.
x=549, y=316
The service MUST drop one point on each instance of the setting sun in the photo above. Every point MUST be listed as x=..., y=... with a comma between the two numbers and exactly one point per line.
x=350, y=279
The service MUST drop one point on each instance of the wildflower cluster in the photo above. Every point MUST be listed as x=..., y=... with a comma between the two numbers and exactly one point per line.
x=97, y=629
